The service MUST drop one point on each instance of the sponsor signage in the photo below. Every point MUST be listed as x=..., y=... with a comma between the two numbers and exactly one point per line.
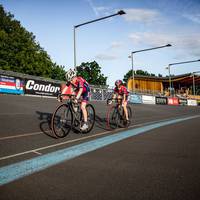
x=148, y=99
x=183, y=102
x=161, y=100
x=173, y=101
x=11, y=85
x=134, y=98
x=192, y=102
x=37, y=87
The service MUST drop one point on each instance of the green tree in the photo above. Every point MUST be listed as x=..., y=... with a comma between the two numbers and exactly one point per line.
x=58, y=72
x=127, y=76
x=91, y=72
x=20, y=52
x=137, y=72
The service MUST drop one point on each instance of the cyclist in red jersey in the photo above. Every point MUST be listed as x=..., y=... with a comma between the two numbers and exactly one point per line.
x=121, y=92
x=81, y=89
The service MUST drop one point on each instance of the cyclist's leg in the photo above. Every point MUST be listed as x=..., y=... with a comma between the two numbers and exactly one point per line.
x=125, y=110
x=84, y=111
x=119, y=101
x=83, y=108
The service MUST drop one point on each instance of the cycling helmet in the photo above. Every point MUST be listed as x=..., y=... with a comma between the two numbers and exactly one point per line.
x=118, y=82
x=70, y=74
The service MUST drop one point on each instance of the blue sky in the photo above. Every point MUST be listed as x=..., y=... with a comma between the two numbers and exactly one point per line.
x=148, y=23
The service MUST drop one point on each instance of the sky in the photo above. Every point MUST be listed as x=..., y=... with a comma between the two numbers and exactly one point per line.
x=146, y=24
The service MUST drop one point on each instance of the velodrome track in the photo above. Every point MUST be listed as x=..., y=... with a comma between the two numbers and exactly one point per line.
x=157, y=158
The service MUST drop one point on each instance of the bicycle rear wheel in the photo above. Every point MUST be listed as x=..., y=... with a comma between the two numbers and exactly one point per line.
x=61, y=122
x=91, y=117
x=112, y=117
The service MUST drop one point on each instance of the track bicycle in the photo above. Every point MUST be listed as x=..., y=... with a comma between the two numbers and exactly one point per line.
x=116, y=115
x=68, y=116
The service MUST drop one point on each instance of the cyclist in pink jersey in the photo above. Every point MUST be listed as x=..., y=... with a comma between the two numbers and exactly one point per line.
x=121, y=92
x=81, y=89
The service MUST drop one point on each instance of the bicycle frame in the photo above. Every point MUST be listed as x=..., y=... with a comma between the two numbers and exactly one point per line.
x=71, y=111
x=76, y=113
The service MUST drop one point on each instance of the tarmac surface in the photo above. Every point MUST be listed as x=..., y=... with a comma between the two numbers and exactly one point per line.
x=159, y=158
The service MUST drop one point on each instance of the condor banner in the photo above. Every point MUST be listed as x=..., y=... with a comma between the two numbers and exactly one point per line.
x=43, y=88
x=11, y=85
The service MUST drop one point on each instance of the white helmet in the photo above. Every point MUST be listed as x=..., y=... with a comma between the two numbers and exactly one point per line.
x=70, y=74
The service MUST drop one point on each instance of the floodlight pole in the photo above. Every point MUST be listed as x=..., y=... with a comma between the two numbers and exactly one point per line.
x=133, y=52
x=121, y=12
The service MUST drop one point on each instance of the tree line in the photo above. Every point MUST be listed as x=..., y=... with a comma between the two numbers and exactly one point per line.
x=20, y=52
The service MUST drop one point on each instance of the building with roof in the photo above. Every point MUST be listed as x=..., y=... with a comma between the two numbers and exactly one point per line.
x=184, y=85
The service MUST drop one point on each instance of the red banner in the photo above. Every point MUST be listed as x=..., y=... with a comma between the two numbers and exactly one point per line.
x=173, y=101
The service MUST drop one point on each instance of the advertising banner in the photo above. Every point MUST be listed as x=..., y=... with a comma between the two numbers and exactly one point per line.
x=192, y=102
x=173, y=101
x=11, y=85
x=148, y=99
x=43, y=88
x=134, y=98
x=161, y=100
x=182, y=101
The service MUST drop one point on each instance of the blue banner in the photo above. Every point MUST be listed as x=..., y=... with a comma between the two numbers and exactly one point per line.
x=134, y=98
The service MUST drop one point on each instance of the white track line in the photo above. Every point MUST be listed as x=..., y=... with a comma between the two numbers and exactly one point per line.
x=54, y=145
x=22, y=135
x=75, y=140
x=38, y=153
x=37, y=133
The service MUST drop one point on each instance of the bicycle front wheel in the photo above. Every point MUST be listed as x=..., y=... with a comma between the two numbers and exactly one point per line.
x=61, y=122
x=112, y=117
x=91, y=117
x=130, y=115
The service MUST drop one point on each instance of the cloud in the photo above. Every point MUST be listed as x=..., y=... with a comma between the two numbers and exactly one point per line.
x=141, y=15
x=113, y=51
x=193, y=17
x=183, y=43
x=104, y=56
x=149, y=38
x=99, y=10
x=116, y=45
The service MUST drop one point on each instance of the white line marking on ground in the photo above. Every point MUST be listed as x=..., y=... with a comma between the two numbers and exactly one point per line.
x=38, y=153
x=21, y=135
x=54, y=145
x=37, y=133
x=76, y=140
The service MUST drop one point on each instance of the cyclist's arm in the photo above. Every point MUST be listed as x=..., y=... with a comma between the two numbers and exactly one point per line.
x=125, y=93
x=64, y=90
x=79, y=93
x=115, y=93
x=114, y=96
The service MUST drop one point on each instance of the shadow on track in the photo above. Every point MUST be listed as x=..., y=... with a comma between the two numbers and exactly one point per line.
x=101, y=123
x=45, y=123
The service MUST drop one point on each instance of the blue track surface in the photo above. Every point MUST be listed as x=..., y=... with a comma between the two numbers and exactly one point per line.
x=16, y=171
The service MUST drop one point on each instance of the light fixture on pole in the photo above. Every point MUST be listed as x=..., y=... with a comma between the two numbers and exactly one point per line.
x=121, y=12
x=131, y=56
